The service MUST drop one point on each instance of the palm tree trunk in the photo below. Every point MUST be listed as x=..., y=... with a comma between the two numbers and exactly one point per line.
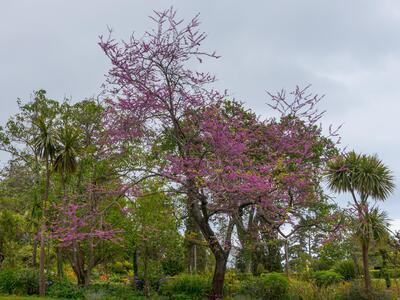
x=42, y=257
x=34, y=253
x=286, y=258
x=367, y=277
x=42, y=278
x=60, y=272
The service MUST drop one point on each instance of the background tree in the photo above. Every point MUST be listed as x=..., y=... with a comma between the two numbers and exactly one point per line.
x=364, y=177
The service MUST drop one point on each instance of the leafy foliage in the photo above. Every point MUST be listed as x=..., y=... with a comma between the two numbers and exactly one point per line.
x=326, y=278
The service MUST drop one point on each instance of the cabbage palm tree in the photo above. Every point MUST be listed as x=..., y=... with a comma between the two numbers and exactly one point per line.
x=45, y=148
x=365, y=177
x=65, y=163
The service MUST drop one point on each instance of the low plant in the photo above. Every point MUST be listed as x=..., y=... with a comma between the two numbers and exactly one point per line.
x=20, y=281
x=346, y=268
x=303, y=290
x=267, y=286
x=185, y=285
x=65, y=289
x=356, y=290
x=326, y=278
x=112, y=291
x=276, y=286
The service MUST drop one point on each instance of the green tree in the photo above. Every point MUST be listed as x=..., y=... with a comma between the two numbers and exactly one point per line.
x=364, y=177
x=153, y=231
x=45, y=146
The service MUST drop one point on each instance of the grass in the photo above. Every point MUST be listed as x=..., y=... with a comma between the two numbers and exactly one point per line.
x=12, y=297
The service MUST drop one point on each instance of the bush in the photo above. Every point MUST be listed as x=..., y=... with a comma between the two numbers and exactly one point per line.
x=268, y=286
x=232, y=283
x=7, y=281
x=393, y=273
x=346, y=268
x=111, y=291
x=185, y=285
x=356, y=290
x=276, y=286
x=26, y=282
x=172, y=267
x=253, y=287
x=301, y=290
x=120, y=267
x=326, y=278
x=65, y=290
x=21, y=282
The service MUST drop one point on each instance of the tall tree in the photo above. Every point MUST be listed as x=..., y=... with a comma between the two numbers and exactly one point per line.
x=45, y=146
x=155, y=91
x=65, y=163
x=364, y=177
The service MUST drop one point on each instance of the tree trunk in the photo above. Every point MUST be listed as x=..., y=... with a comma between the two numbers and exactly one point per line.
x=195, y=253
x=42, y=278
x=146, y=288
x=286, y=258
x=60, y=273
x=356, y=264
x=34, y=253
x=78, y=265
x=367, y=277
x=81, y=278
x=198, y=205
x=135, y=263
x=384, y=270
x=88, y=274
x=219, y=277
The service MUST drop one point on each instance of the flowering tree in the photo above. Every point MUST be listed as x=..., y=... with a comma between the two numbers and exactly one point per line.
x=222, y=158
x=295, y=149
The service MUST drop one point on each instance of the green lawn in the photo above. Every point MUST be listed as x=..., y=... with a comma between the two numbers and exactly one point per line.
x=11, y=297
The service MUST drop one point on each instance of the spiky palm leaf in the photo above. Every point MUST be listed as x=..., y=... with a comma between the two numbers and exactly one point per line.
x=360, y=173
x=44, y=143
x=67, y=150
x=375, y=226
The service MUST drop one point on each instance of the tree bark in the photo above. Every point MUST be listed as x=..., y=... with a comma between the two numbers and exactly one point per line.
x=195, y=253
x=146, y=288
x=34, y=253
x=367, y=277
x=220, y=253
x=286, y=258
x=219, y=277
x=60, y=272
x=42, y=278
x=135, y=263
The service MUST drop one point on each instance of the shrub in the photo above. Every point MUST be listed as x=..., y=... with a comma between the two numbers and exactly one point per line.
x=276, y=286
x=346, y=268
x=65, y=290
x=111, y=291
x=393, y=273
x=326, y=278
x=356, y=290
x=301, y=290
x=26, y=282
x=253, y=287
x=22, y=282
x=172, y=267
x=268, y=286
x=7, y=281
x=121, y=267
x=185, y=285
x=231, y=284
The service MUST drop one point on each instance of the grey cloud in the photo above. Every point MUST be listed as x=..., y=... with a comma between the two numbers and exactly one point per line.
x=348, y=50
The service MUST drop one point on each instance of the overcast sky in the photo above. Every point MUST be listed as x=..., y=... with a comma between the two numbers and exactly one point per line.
x=348, y=50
